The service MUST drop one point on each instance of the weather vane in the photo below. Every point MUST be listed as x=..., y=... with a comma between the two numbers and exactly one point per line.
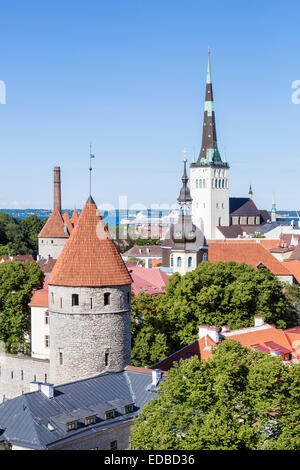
x=184, y=154
x=91, y=156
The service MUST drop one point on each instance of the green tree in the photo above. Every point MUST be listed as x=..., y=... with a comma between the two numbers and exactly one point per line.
x=17, y=281
x=240, y=399
x=214, y=294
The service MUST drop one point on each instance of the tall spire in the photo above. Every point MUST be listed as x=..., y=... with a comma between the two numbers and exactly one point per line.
x=250, y=192
x=184, y=198
x=209, y=152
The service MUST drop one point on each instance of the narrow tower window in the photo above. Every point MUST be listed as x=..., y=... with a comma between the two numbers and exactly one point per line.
x=75, y=299
x=91, y=303
x=61, y=359
x=106, y=358
x=107, y=298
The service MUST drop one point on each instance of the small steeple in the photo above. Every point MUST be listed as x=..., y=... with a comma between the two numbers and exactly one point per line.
x=273, y=212
x=250, y=192
x=184, y=195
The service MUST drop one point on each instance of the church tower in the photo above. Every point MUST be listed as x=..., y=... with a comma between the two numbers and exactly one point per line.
x=184, y=246
x=210, y=174
x=89, y=303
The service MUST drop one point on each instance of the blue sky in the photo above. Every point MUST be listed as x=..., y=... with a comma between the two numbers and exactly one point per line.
x=129, y=76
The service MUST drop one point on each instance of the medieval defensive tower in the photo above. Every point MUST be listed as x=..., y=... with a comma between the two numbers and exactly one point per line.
x=89, y=303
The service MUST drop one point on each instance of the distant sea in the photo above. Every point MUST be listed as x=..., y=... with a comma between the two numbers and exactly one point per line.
x=111, y=218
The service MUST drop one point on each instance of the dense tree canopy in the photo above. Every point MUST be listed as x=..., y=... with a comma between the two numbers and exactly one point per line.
x=17, y=280
x=240, y=399
x=215, y=294
x=19, y=236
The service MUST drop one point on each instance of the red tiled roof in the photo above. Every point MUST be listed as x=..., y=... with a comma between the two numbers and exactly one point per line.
x=54, y=227
x=74, y=218
x=200, y=348
x=249, y=253
x=90, y=257
x=293, y=267
x=21, y=258
x=67, y=220
x=265, y=338
x=46, y=264
x=40, y=296
x=151, y=281
x=39, y=299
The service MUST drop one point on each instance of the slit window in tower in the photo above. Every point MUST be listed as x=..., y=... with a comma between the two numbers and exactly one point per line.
x=106, y=358
x=75, y=300
x=107, y=298
x=61, y=359
x=128, y=297
x=91, y=303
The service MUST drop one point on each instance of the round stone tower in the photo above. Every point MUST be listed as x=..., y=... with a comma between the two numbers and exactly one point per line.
x=89, y=304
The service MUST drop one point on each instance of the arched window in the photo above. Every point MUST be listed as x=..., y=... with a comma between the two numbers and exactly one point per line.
x=212, y=183
x=216, y=183
x=220, y=221
x=107, y=298
x=190, y=262
x=75, y=300
x=203, y=183
x=196, y=183
x=220, y=183
x=200, y=183
x=223, y=183
x=179, y=262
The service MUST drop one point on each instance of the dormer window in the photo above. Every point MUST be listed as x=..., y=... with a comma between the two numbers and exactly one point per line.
x=90, y=420
x=71, y=426
x=128, y=409
x=110, y=414
x=75, y=300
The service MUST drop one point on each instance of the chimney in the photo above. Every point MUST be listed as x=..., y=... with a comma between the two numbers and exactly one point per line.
x=35, y=386
x=259, y=321
x=156, y=376
x=211, y=331
x=57, y=189
x=225, y=329
x=47, y=390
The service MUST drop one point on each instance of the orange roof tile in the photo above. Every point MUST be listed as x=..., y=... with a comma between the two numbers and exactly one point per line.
x=90, y=257
x=261, y=337
x=294, y=267
x=54, y=227
x=249, y=253
x=39, y=299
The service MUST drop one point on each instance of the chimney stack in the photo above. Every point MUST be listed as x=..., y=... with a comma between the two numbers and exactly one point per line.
x=57, y=189
x=259, y=321
x=156, y=376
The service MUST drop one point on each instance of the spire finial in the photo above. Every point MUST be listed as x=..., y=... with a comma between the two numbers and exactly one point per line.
x=90, y=169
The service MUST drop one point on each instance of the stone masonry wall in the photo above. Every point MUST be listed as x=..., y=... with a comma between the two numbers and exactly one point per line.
x=51, y=246
x=16, y=373
x=88, y=338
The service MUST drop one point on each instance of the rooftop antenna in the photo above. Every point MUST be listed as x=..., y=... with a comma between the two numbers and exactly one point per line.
x=91, y=156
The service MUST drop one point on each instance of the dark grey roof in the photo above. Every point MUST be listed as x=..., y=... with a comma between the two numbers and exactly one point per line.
x=25, y=419
x=144, y=251
x=271, y=225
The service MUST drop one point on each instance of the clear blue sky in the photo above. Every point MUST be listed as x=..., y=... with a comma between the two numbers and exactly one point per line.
x=129, y=75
